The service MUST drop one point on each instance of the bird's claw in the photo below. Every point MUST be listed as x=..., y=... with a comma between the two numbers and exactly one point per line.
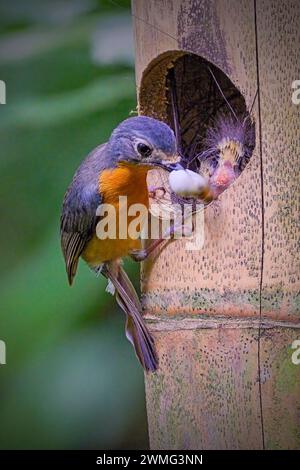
x=154, y=192
x=138, y=255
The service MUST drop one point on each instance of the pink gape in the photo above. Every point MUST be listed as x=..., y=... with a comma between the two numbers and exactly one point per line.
x=222, y=178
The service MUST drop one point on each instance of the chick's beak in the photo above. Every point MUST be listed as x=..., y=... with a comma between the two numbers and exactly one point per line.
x=224, y=175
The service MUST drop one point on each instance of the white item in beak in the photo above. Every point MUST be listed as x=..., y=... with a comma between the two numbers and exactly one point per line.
x=187, y=183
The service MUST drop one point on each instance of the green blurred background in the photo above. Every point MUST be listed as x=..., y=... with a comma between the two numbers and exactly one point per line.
x=71, y=378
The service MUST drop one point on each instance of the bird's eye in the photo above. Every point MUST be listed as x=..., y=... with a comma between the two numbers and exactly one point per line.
x=214, y=162
x=143, y=149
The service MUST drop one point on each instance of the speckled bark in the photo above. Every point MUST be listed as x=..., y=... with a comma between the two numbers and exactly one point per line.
x=225, y=317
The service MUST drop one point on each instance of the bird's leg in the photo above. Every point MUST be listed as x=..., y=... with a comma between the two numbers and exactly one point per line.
x=142, y=254
x=184, y=230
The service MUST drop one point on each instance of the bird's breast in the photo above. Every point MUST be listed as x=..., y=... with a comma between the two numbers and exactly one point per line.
x=129, y=181
x=120, y=188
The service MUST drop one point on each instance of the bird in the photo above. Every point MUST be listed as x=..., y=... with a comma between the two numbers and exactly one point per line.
x=116, y=168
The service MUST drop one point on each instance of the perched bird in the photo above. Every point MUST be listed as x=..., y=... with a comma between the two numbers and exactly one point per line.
x=116, y=168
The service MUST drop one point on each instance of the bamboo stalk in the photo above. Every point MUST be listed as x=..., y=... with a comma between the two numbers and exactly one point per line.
x=225, y=317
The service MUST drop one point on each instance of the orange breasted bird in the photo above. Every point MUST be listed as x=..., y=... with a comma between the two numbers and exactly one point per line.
x=116, y=168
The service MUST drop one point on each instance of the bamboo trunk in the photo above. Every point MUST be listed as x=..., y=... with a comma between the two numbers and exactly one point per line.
x=225, y=317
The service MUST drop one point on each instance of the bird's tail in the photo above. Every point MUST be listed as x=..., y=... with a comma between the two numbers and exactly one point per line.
x=136, y=330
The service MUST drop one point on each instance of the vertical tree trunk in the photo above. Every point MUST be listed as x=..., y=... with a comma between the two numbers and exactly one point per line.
x=225, y=317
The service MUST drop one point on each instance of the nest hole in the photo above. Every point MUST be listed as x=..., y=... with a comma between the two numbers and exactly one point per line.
x=191, y=94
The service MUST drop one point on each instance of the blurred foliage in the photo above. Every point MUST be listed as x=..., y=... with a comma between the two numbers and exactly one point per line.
x=71, y=378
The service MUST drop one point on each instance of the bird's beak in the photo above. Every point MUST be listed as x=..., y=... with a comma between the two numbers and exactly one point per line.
x=224, y=175
x=171, y=164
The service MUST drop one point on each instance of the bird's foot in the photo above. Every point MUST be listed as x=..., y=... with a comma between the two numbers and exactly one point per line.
x=138, y=255
x=156, y=192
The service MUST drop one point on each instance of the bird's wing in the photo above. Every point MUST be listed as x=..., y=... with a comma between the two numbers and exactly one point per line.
x=78, y=218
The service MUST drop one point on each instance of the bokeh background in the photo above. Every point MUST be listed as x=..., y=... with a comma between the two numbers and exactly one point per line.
x=71, y=380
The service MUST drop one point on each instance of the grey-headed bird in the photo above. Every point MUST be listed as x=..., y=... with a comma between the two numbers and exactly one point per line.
x=116, y=168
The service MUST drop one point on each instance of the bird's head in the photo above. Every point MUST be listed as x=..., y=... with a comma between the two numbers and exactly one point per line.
x=145, y=142
x=229, y=146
